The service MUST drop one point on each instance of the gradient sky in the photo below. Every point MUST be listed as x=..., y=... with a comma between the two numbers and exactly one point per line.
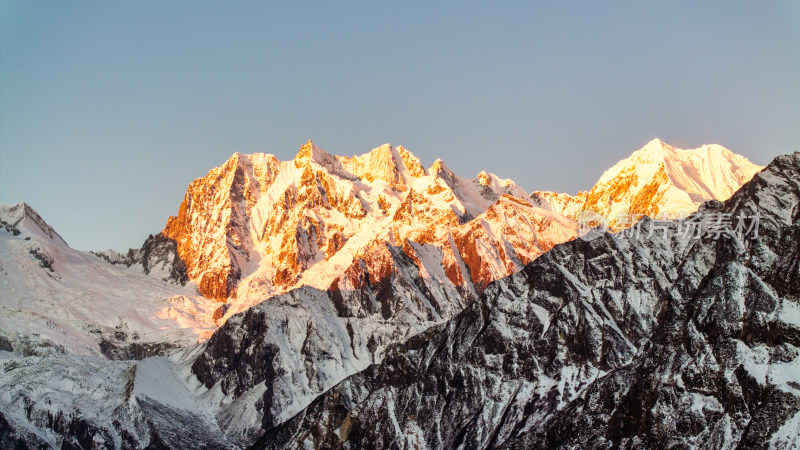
x=109, y=109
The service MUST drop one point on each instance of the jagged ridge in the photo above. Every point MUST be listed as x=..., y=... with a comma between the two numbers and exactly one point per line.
x=256, y=226
x=604, y=342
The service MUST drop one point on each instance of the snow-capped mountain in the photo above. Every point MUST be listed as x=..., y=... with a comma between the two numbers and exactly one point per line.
x=609, y=341
x=57, y=299
x=657, y=180
x=255, y=226
x=323, y=263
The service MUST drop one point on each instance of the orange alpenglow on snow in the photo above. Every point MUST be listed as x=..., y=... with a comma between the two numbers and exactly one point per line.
x=658, y=181
x=256, y=226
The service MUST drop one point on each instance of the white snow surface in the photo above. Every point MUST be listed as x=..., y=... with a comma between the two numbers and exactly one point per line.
x=85, y=298
x=709, y=172
x=693, y=176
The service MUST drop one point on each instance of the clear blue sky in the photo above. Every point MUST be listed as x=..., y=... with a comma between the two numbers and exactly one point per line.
x=109, y=109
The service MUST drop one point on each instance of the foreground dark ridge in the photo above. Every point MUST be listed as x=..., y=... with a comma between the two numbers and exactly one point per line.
x=614, y=341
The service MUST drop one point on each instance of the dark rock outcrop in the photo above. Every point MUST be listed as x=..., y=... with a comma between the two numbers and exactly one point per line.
x=120, y=350
x=160, y=250
x=158, y=253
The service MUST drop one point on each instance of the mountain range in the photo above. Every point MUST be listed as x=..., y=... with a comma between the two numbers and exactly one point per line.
x=330, y=301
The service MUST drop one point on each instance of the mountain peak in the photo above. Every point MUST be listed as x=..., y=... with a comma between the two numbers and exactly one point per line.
x=394, y=165
x=499, y=185
x=657, y=143
x=310, y=152
x=23, y=217
x=411, y=162
x=439, y=167
x=264, y=210
x=658, y=150
x=234, y=160
x=483, y=178
x=655, y=150
x=661, y=179
x=381, y=163
x=385, y=153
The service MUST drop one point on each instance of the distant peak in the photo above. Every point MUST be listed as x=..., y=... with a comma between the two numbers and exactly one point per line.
x=716, y=148
x=690, y=176
x=439, y=167
x=234, y=162
x=381, y=163
x=656, y=146
x=235, y=158
x=395, y=165
x=384, y=152
x=658, y=150
x=411, y=162
x=14, y=215
x=309, y=152
x=487, y=178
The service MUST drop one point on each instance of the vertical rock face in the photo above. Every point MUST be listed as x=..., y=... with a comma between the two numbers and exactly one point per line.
x=160, y=253
x=510, y=234
x=211, y=226
x=608, y=341
x=289, y=349
x=158, y=256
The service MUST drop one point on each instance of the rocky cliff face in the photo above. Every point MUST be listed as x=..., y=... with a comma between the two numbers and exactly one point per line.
x=272, y=360
x=211, y=226
x=157, y=256
x=628, y=340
